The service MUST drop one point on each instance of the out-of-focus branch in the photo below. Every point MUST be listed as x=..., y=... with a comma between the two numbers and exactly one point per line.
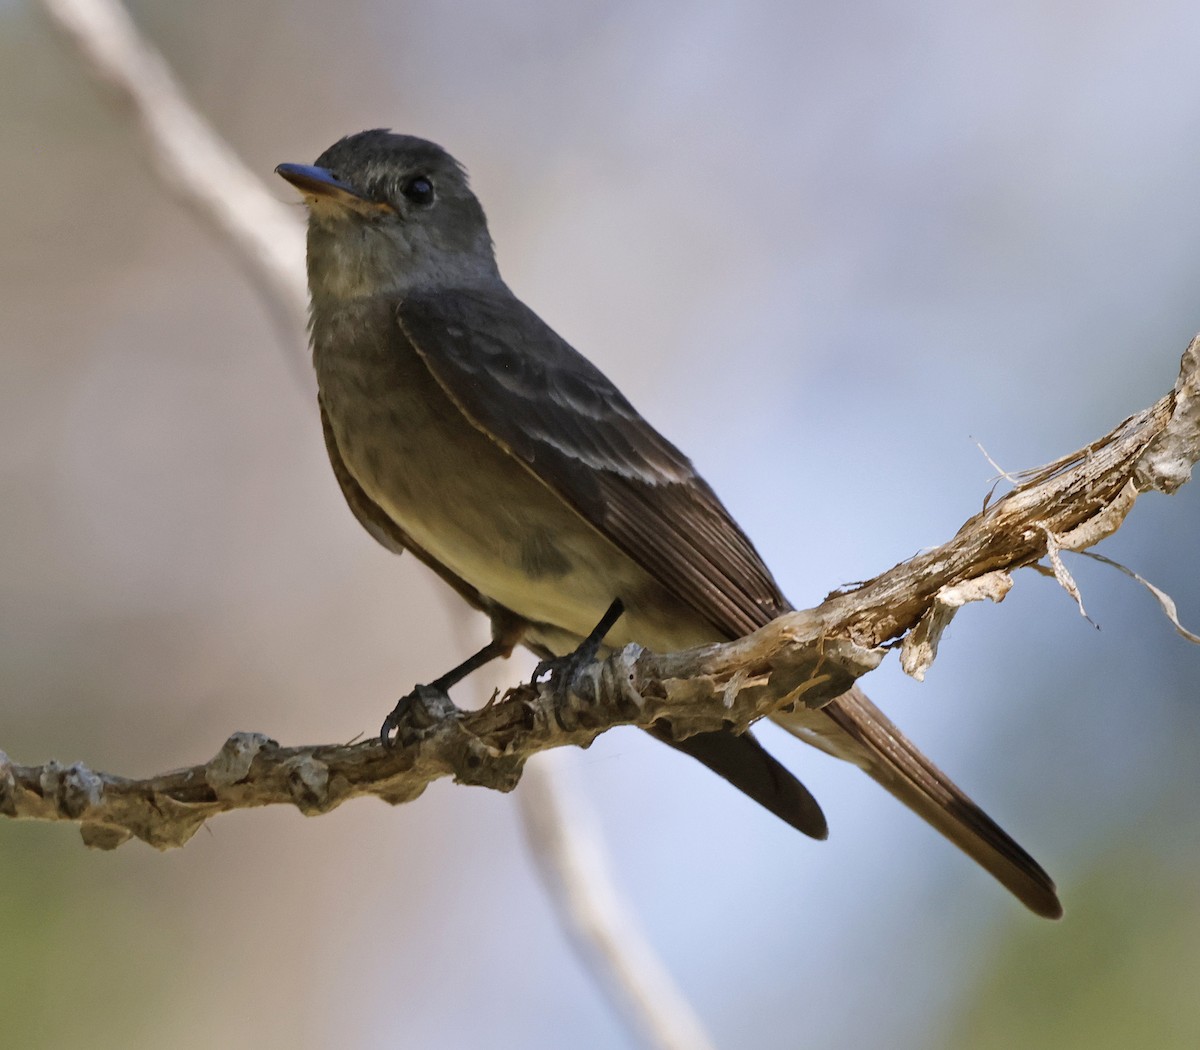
x=567, y=846
x=802, y=657
x=569, y=851
x=194, y=163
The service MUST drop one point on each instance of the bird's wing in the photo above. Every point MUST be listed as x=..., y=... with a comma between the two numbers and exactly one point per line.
x=551, y=408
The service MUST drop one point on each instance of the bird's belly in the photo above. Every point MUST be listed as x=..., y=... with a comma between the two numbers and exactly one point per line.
x=483, y=514
x=520, y=545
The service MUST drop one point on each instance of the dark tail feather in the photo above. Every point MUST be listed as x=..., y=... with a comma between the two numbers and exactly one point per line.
x=884, y=752
x=747, y=765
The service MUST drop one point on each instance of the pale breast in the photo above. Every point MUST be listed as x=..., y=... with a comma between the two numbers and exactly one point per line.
x=466, y=501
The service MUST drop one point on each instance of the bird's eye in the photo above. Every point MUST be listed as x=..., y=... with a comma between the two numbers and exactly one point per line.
x=419, y=190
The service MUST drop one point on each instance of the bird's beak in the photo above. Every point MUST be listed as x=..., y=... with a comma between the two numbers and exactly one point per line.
x=319, y=185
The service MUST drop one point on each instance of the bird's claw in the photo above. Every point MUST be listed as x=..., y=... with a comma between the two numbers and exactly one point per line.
x=562, y=672
x=416, y=715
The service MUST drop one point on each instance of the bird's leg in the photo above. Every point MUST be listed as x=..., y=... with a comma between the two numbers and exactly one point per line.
x=427, y=705
x=563, y=670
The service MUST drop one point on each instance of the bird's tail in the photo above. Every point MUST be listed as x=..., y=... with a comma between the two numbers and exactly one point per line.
x=853, y=728
x=750, y=768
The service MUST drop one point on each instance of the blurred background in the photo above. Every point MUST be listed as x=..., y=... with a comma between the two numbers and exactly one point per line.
x=826, y=247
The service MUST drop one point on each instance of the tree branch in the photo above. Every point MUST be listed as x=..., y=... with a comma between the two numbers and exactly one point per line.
x=192, y=160
x=566, y=843
x=803, y=657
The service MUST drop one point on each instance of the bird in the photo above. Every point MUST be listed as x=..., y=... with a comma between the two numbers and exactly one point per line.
x=464, y=430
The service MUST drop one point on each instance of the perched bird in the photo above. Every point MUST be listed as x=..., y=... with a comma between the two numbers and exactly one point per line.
x=463, y=429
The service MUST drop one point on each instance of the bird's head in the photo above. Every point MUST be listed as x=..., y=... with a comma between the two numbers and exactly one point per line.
x=390, y=214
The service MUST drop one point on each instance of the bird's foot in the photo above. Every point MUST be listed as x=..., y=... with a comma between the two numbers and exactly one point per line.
x=565, y=671
x=562, y=673
x=416, y=715
x=572, y=681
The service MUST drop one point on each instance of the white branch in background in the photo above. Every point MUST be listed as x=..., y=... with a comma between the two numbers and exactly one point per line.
x=568, y=848
x=198, y=167
x=193, y=161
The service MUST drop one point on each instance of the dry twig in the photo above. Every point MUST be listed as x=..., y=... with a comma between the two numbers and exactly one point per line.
x=803, y=657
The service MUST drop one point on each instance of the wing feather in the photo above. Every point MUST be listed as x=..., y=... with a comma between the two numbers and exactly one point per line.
x=520, y=383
